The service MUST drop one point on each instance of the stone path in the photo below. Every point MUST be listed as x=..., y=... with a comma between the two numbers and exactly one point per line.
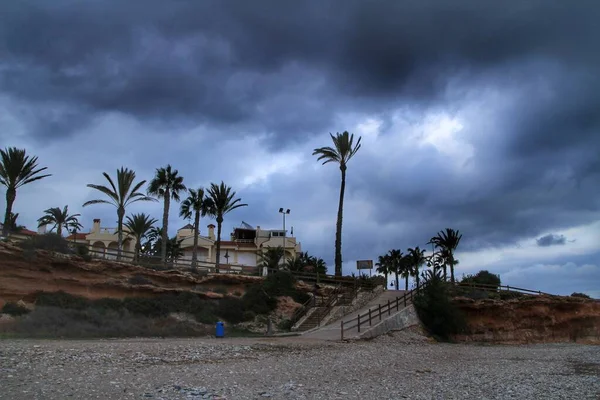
x=333, y=331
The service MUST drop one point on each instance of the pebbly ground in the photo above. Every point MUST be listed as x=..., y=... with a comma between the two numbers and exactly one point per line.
x=402, y=365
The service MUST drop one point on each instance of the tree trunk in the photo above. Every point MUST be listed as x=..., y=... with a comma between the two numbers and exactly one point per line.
x=217, y=263
x=59, y=229
x=196, y=233
x=120, y=215
x=445, y=272
x=386, y=279
x=452, y=268
x=11, y=194
x=417, y=275
x=397, y=281
x=338, y=228
x=165, y=232
x=138, y=249
x=406, y=283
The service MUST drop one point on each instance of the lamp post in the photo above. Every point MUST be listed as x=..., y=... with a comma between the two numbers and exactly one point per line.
x=283, y=212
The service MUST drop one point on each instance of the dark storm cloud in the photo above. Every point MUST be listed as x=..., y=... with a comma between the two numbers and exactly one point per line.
x=551, y=240
x=284, y=68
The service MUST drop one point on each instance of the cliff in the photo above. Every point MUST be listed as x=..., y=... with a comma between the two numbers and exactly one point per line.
x=23, y=274
x=531, y=319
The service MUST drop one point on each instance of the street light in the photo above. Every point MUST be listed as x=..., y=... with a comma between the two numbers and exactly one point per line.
x=287, y=211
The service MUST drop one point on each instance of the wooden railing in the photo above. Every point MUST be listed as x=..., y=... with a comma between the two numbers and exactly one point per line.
x=376, y=313
x=499, y=288
x=397, y=304
x=155, y=262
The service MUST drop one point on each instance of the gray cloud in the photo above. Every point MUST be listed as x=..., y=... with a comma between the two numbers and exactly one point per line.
x=234, y=62
x=177, y=81
x=551, y=240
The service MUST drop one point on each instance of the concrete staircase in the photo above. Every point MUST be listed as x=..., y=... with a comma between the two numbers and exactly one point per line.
x=319, y=312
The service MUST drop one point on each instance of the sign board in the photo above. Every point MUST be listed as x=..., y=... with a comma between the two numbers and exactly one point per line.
x=364, y=264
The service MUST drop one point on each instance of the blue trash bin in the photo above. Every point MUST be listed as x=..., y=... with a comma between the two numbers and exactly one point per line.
x=220, y=330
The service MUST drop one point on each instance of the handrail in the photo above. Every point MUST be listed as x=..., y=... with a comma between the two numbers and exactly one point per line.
x=301, y=311
x=496, y=288
x=330, y=303
x=362, y=319
x=378, y=311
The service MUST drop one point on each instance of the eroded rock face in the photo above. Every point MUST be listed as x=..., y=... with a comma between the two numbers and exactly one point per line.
x=531, y=319
x=22, y=275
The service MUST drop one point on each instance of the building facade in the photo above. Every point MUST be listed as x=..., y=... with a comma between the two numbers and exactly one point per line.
x=242, y=248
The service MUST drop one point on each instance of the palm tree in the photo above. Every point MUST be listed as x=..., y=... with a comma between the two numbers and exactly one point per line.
x=166, y=184
x=383, y=267
x=405, y=269
x=223, y=200
x=14, y=226
x=198, y=205
x=139, y=225
x=270, y=257
x=16, y=169
x=341, y=153
x=448, y=241
x=60, y=218
x=395, y=259
x=417, y=259
x=124, y=193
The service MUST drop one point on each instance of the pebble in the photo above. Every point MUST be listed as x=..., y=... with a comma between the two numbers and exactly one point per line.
x=401, y=365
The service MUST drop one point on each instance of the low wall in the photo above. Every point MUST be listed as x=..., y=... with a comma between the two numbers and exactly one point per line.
x=403, y=319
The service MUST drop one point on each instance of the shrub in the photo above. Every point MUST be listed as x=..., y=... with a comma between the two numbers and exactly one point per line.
x=436, y=310
x=90, y=323
x=582, y=295
x=482, y=278
x=61, y=299
x=83, y=251
x=258, y=300
x=48, y=242
x=231, y=309
x=285, y=325
x=220, y=290
x=14, y=309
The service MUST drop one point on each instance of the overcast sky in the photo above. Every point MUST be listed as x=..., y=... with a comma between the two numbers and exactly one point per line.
x=479, y=116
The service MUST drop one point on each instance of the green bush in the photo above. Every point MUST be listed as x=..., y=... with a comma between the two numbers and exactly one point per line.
x=83, y=251
x=48, y=241
x=482, y=278
x=582, y=295
x=435, y=309
x=14, y=309
x=231, y=309
x=285, y=325
x=258, y=300
x=92, y=323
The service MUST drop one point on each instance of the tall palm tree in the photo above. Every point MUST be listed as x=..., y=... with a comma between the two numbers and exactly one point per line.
x=198, y=205
x=60, y=218
x=405, y=269
x=448, y=241
x=139, y=225
x=417, y=259
x=223, y=200
x=343, y=150
x=166, y=185
x=16, y=169
x=396, y=257
x=383, y=267
x=124, y=193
